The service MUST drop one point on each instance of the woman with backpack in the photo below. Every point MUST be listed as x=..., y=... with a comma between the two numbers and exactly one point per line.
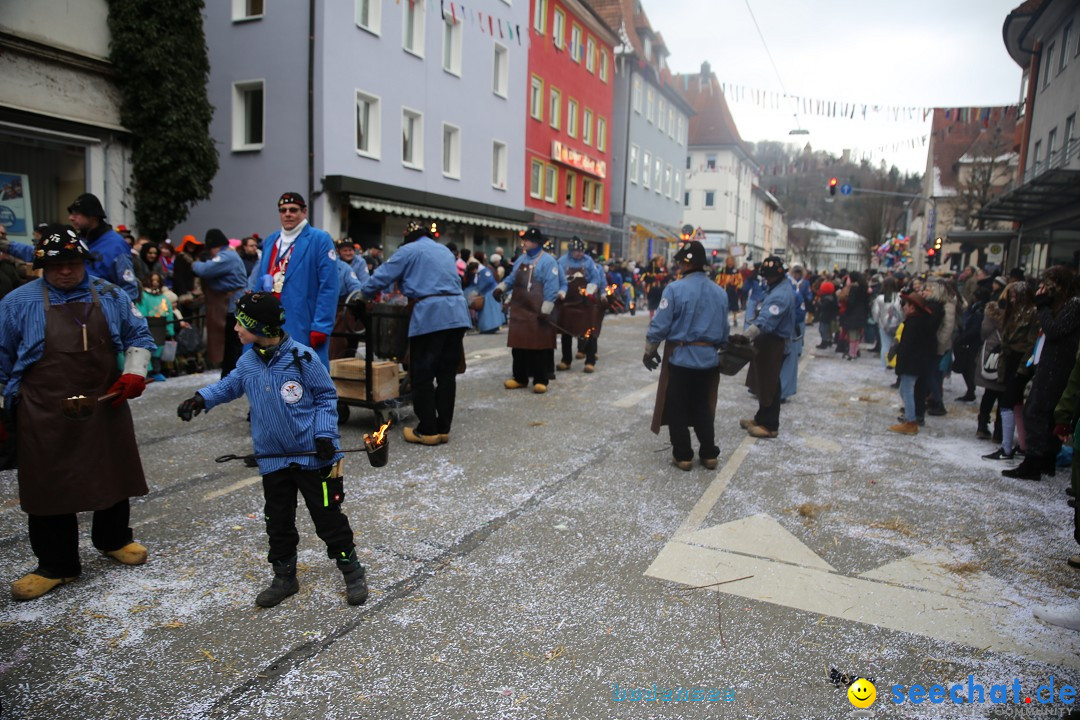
x=888, y=315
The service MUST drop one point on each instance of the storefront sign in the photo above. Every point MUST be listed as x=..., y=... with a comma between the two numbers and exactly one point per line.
x=581, y=161
x=15, y=213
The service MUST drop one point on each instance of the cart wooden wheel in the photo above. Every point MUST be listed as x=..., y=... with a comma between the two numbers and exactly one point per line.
x=342, y=412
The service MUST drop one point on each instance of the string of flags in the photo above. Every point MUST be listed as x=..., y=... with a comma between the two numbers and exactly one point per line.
x=488, y=24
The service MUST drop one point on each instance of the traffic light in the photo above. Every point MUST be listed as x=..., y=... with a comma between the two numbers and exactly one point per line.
x=686, y=233
x=832, y=186
x=715, y=253
x=937, y=244
x=931, y=256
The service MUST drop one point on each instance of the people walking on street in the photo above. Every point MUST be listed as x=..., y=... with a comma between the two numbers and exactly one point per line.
x=427, y=274
x=915, y=352
x=489, y=316
x=826, y=310
x=59, y=340
x=730, y=280
x=535, y=281
x=769, y=331
x=655, y=278
x=1019, y=332
x=295, y=436
x=692, y=322
x=299, y=265
x=580, y=312
x=223, y=281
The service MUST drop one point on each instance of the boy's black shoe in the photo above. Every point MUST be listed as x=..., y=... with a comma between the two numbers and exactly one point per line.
x=356, y=589
x=283, y=585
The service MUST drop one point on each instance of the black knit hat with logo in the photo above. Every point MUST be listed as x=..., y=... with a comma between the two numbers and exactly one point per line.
x=260, y=313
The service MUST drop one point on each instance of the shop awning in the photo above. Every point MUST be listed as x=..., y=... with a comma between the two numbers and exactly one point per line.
x=557, y=225
x=1048, y=192
x=427, y=213
x=656, y=232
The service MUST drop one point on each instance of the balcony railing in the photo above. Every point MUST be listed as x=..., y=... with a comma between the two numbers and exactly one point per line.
x=1066, y=157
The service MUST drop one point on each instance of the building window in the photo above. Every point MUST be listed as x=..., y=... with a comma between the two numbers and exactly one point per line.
x=412, y=139
x=571, y=189
x=667, y=181
x=686, y=199
x=635, y=92
x=633, y=164
x=603, y=65
x=451, y=151
x=671, y=122
x=1036, y=157
x=687, y=162
x=412, y=28
x=248, y=111
x=500, y=75
x=590, y=55
x=586, y=194
x=367, y=125
x=601, y=134
x=551, y=183
x=661, y=114
x=598, y=197
x=710, y=162
x=1066, y=147
x=1066, y=34
x=540, y=16
x=498, y=165
x=369, y=15
x=555, y=109
x=677, y=189
x=649, y=100
x=657, y=176
x=587, y=127
x=710, y=198
x=571, y=117
x=1048, y=73
x=646, y=169
x=247, y=10
x=536, y=179
x=1051, y=147
x=575, y=43
x=558, y=29
x=451, y=58
x=681, y=137
x=536, y=98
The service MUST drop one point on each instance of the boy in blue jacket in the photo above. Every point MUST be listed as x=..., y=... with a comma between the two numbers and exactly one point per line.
x=293, y=406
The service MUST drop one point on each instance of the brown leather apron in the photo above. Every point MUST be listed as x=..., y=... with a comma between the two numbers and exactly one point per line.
x=217, y=307
x=344, y=324
x=526, y=330
x=67, y=465
x=763, y=377
x=576, y=313
x=659, y=419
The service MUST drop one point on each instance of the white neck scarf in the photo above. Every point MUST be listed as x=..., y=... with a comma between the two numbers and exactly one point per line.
x=287, y=237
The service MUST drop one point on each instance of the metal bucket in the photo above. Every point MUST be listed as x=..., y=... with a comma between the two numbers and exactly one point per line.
x=379, y=455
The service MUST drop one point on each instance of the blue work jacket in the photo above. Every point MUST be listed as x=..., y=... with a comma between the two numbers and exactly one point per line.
x=693, y=309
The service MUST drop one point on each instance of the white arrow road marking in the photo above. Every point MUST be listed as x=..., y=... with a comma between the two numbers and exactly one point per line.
x=758, y=535
x=637, y=396
x=238, y=485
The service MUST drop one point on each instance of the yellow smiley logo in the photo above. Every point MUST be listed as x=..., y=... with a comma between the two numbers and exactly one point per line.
x=862, y=693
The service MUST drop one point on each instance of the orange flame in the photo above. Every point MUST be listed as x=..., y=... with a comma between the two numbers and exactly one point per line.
x=589, y=332
x=379, y=436
x=582, y=291
x=611, y=289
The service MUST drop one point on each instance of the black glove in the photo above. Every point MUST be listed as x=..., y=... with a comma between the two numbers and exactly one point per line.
x=324, y=448
x=1043, y=299
x=737, y=339
x=191, y=407
x=497, y=293
x=651, y=361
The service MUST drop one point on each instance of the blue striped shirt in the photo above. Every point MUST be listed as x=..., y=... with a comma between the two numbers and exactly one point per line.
x=22, y=325
x=293, y=401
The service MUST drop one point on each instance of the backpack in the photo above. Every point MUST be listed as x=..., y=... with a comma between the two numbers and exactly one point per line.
x=893, y=317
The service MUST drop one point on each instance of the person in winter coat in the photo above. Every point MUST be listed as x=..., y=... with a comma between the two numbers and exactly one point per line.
x=490, y=316
x=825, y=312
x=942, y=294
x=1058, y=310
x=968, y=341
x=299, y=265
x=990, y=341
x=856, y=300
x=223, y=281
x=888, y=314
x=1019, y=331
x=916, y=351
x=110, y=254
x=299, y=416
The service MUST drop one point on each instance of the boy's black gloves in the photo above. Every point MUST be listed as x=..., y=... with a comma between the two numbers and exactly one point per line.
x=191, y=407
x=324, y=448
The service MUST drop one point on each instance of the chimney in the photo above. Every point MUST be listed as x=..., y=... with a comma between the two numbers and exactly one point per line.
x=706, y=69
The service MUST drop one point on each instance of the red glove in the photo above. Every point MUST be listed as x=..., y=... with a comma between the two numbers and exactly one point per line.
x=317, y=338
x=130, y=386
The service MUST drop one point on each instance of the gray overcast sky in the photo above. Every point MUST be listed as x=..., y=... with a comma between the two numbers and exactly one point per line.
x=934, y=53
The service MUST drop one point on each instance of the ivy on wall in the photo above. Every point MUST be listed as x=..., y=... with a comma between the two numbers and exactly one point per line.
x=159, y=52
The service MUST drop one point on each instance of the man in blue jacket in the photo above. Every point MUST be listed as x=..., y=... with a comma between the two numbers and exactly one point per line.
x=769, y=331
x=692, y=321
x=299, y=265
x=579, y=311
x=789, y=372
x=536, y=281
x=427, y=273
x=110, y=254
x=347, y=252
x=223, y=282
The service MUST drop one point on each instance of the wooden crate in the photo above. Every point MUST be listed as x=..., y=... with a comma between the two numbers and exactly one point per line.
x=349, y=379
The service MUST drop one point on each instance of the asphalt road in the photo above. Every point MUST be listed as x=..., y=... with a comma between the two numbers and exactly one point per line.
x=548, y=563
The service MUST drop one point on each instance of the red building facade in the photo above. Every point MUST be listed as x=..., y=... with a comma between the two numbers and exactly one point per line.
x=568, y=131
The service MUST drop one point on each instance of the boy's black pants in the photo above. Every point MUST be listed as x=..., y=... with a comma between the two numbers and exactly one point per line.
x=323, y=496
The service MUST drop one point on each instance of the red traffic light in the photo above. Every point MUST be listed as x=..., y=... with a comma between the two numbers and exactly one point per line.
x=930, y=252
x=832, y=186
